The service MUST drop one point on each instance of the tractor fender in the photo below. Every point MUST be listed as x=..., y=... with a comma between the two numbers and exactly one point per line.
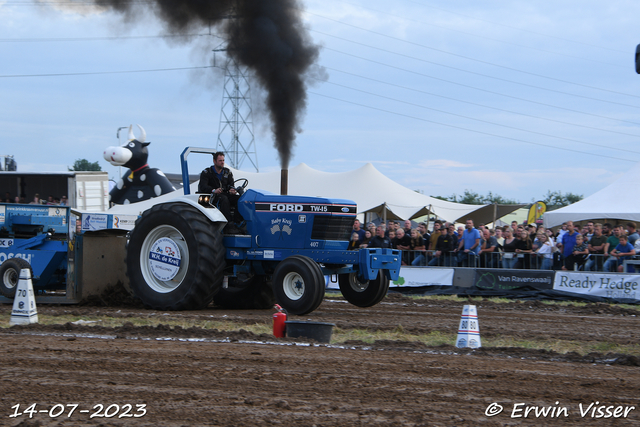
x=213, y=214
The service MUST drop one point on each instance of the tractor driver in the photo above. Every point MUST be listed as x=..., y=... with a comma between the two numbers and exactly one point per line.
x=218, y=181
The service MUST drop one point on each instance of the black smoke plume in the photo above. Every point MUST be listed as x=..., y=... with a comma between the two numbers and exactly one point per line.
x=265, y=35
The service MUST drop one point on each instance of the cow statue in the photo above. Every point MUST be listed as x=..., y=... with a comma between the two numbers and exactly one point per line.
x=140, y=182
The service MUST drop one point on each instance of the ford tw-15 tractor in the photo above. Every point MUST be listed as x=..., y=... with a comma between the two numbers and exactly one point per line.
x=179, y=259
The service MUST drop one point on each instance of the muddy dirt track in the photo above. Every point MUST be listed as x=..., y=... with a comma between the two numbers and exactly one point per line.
x=198, y=377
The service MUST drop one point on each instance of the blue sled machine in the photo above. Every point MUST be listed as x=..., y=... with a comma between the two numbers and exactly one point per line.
x=66, y=264
x=179, y=257
x=36, y=238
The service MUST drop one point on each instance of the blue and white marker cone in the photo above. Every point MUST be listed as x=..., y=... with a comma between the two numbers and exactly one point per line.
x=24, y=304
x=469, y=330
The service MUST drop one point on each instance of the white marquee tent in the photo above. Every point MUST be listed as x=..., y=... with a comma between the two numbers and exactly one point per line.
x=370, y=189
x=616, y=201
x=373, y=192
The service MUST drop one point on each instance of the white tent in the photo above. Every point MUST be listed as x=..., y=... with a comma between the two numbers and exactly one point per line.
x=373, y=192
x=616, y=201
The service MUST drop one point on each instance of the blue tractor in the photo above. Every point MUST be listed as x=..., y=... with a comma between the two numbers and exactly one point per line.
x=179, y=259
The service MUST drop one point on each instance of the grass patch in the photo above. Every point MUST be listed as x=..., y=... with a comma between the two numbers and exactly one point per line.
x=498, y=300
x=437, y=338
x=564, y=346
x=399, y=333
x=457, y=299
x=433, y=338
x=152, y=321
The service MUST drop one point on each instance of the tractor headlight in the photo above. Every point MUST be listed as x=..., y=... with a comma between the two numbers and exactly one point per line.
x=205, y=200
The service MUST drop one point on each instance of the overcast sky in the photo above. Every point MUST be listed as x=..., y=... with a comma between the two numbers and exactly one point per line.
x=517, y=98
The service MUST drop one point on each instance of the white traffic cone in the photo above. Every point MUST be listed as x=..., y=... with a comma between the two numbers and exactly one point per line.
x=24, y=305
x=469, y=330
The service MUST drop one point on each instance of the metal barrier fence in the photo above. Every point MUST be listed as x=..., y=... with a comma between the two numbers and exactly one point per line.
x=527, y=261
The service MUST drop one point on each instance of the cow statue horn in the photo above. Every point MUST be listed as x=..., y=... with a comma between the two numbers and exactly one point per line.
x=143, y=134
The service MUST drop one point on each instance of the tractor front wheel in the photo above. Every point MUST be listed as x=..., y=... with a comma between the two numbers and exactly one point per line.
x=365, y=293
x=298, y=285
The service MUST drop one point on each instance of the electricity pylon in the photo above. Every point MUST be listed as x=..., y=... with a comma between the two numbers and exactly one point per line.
x=235, y=133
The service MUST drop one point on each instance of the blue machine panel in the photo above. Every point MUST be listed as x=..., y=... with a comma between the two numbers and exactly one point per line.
x=56, y=217
x=39, y=235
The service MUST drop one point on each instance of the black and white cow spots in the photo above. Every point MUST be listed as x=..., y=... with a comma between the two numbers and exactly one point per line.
x=140, y=182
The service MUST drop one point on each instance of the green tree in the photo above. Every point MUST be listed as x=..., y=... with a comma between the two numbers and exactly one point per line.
x=572, y=198
x=555, y=199
x=472, y=198
x=85, y=165
x=490, y=198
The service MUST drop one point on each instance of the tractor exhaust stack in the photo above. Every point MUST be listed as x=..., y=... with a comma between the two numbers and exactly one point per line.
x=284, y=181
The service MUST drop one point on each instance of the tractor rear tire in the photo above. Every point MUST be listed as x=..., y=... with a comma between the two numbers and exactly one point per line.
x=363, y=294
x=175, y=258
x=10, y=275
x=246, y=294
x=298, y=285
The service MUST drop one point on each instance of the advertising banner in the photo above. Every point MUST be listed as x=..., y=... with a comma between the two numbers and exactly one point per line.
x=92, y=222
x=420, y=276
x=124, y=222
x=411, y=277
x=535, y=212
x=508, y=280
x=613, y=286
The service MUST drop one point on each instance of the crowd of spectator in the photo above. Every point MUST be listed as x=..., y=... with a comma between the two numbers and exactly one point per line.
x=595, y=247
x=50, y=201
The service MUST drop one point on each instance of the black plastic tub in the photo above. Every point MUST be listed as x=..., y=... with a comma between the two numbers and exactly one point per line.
x=318, y=331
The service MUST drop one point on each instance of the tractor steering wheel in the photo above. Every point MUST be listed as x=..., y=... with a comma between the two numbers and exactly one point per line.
x=240, y=188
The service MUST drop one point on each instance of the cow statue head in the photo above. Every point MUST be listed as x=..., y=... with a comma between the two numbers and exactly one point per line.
x=140, y=182
x=132, y=154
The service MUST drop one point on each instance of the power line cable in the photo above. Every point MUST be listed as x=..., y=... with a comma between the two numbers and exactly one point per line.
x=471, y=130
x=384, y=35
x=93, y=73
x=479, y=89
x=105, y=38
x=189, y=35
x=484, y=37
x=72, y=3
x=480, y=61
x=481, y=120
x=92, y=3
x=166, y=36
x=480, y=105
x=516, y=28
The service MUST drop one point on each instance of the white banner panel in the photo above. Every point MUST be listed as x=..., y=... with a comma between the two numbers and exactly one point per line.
x=617, y=286
x=421, y=276
x=411, y=277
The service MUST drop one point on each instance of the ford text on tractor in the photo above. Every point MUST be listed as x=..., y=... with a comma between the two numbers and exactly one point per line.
x=179, y=259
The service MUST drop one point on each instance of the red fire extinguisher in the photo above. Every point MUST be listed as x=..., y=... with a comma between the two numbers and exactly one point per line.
x=279, y=327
